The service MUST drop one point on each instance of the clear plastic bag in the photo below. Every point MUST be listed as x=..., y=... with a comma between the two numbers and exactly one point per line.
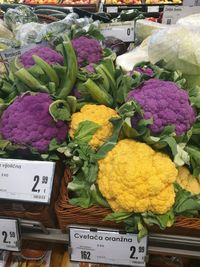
x=30, y=33
x=144, y=28
x=128, y=60
x=20, y=15
x=178, y=48
x=191, y=22
x=4, y=31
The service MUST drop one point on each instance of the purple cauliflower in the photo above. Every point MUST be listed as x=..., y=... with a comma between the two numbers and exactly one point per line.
x=146, y=71
x=46, y=53
x=75, y=92
x=165, y=103
x=27, y=122
x=90, y=68
x=88, y=50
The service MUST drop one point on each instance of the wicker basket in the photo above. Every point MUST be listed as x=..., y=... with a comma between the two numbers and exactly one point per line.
x=68, y=214
x=37, y=212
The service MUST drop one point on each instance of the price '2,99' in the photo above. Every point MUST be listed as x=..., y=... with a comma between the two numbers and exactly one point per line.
x=36, y=181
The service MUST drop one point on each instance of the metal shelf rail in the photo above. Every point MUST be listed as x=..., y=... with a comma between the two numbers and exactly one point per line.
x=158, y=243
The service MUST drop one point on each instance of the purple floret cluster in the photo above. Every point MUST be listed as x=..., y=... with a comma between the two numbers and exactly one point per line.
x=88, y=50
x=27, y=122
x=166, y=103
x=145, y=71
x=46, y=53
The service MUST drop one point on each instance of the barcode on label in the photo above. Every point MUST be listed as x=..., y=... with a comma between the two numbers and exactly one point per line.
x=169, y=21
x=39, y=197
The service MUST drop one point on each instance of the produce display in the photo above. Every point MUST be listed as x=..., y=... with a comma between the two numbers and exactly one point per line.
x=78, y=2
x=41, y=2
x=138, y=2
x=126, y=127
x=58, y=2
x=165, y=2
x=123, y=2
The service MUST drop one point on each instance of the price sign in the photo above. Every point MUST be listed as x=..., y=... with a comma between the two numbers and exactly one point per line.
x=26, y=180
x=71, y=9
x=171, y=14
x=112, y=9
x=191, y=2
x=153, y=9
x=9, y=235
x=121, y=30
x=7, y=56
x=107, y=246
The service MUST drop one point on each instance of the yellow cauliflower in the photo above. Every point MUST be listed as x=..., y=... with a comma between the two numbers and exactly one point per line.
x=99, y=114
x=187, y=181
x=135, y=178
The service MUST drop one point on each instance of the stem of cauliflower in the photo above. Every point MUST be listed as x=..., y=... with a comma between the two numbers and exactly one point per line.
x=102, y=97
x=50, y=72
x=30, y=81
x=72, y=69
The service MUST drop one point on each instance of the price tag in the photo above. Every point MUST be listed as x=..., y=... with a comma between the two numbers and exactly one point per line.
x=26, y=180
x=71, y=9
x=153, y=9
x=9, y=235
x=121, y=30
x=107, y=246
x=7, y=56
x=191, y=2
x=112, y=9
x=171, y=14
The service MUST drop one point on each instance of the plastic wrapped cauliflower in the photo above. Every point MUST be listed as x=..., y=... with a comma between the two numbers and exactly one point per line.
x=27, y=121
x=134, y=178
x=99, y=114
x=165, y=103
x=88, y=50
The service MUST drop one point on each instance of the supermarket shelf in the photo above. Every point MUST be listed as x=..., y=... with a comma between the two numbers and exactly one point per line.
x=158, y=243
x=142, y=7
x=174, y=245
x=53, y=236
x=87, y=7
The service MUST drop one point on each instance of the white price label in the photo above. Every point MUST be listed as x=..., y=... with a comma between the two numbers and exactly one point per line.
x=171, y=14
x=112, y=9
x=107, y=246
x=121, y=30
x=26, y=180
x=191, y=2
x=9, y=235
x=7, y=56
x=71, y=9
x=153, y=9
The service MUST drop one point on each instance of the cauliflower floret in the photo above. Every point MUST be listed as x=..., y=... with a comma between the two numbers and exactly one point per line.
x=46, y=53
x=88, y=50
x=27, y=121
x=165, y=103
x=99, y=114
x=187, y=181
x=135, y=178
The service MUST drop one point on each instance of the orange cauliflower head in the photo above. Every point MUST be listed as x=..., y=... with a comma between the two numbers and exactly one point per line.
x=99, y=114
x=135, y=178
